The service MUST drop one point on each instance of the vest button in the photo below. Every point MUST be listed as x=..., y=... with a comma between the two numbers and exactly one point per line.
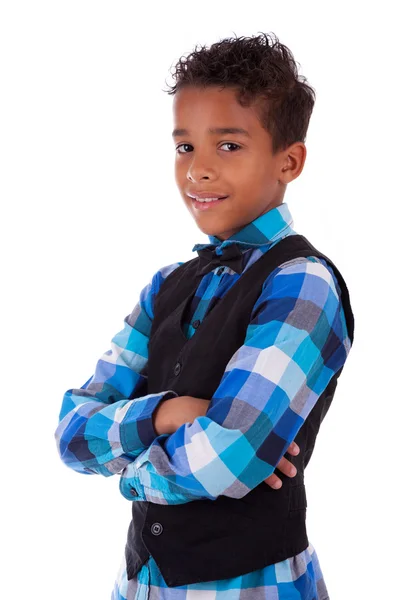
x=133, y=492
x=196, y=323
x=156, y=528
x=220, y=271
x=177, y=368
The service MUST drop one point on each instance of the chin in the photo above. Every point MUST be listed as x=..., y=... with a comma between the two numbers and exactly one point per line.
x=206, y=230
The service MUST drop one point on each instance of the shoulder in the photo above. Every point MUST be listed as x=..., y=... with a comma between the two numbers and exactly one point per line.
x=150, y=291
x=300, y=289
x=143, y=312
x=302, y=293
x=161, y=275
x=301, y=274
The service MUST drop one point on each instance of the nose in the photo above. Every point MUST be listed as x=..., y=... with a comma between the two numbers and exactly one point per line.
x=199, y=170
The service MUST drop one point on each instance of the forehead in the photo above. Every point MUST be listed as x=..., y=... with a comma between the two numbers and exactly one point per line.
x=195, y=108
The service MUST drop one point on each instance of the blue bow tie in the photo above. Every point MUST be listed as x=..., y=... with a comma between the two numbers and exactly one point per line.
x=231, y=257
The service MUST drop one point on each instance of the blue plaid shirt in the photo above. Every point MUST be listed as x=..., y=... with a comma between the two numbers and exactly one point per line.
x=106, y=426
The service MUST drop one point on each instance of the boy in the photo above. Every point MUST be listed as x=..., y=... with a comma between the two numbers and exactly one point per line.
x=228, y=361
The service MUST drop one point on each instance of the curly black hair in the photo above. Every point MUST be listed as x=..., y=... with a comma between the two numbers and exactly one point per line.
x=261, y=70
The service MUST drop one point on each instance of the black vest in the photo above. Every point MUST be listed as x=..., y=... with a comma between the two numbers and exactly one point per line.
x=208, y=540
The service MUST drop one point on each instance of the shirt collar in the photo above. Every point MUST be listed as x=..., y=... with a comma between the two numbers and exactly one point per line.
x=268, y=228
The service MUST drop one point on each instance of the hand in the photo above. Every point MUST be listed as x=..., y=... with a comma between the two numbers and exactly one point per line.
x=285, y=466
x=187, y=409
x=171, y=414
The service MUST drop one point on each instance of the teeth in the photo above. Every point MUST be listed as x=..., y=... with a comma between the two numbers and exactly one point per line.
x=207, y=199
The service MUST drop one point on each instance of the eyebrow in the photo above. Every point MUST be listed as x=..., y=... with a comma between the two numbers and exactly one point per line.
x=214, y=130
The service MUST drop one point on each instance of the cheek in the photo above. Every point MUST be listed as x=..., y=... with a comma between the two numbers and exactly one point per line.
x=246, y=172
x=180, y=174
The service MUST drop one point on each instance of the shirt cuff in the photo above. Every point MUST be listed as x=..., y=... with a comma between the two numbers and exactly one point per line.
x=137, y=427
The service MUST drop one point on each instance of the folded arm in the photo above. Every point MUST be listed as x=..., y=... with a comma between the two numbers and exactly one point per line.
x=295, y=342
x=108, y=422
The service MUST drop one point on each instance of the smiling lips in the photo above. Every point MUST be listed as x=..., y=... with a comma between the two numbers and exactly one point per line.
x=206, y=204
x=208, y=194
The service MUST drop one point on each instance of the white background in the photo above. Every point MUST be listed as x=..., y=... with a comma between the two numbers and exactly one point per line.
x=90, y=210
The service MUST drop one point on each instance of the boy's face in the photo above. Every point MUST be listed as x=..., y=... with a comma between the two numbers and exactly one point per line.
x=248, y=173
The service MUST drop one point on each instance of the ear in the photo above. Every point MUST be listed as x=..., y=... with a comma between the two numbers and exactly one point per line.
x=293, y=162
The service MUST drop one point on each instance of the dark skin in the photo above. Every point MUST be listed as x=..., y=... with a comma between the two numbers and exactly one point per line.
x=240, y=166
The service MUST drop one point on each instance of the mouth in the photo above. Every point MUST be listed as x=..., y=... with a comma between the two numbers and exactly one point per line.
x=206, y=205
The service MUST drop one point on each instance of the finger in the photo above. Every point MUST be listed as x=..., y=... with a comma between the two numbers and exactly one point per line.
x=293, y=449
x=286, y=467
x=274, y=481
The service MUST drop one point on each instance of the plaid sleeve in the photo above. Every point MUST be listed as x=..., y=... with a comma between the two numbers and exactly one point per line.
x=106, y=423
x=295, y=342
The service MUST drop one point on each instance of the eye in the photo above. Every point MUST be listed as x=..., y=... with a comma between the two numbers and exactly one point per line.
x=180, y=145
x=231, y=144
x=224, y=144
